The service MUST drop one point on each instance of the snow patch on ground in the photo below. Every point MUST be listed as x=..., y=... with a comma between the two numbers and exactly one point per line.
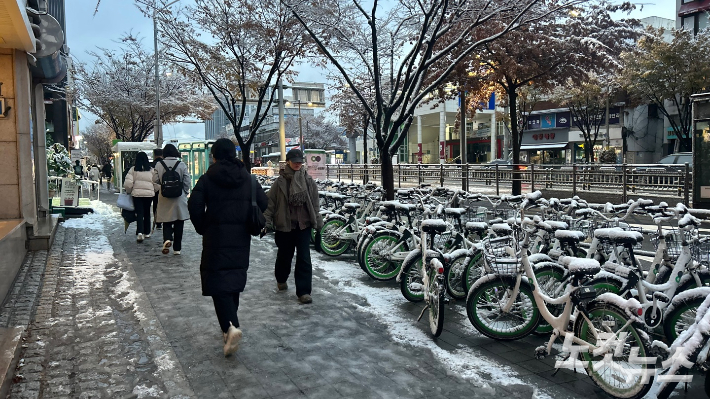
x=164, y=363
x=141, y=391
x=384, y=304
x=93, y=221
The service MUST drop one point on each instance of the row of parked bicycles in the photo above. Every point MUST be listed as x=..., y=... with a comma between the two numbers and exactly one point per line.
x=626, y=287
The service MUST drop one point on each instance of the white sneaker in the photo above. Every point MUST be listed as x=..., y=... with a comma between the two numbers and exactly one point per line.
x=233, y=336
x=176, y=252
x=139, y=238
x=147, y=236
x=166, y=247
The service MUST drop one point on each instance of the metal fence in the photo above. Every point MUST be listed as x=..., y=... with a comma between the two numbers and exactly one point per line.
x=621, y=179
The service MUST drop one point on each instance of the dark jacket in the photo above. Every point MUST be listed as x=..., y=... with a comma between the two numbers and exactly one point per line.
x=107, y=170
x=278, y=215
x=219, y=209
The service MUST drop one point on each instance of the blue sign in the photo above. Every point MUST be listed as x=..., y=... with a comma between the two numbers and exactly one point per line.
x=492, y=101
x=239, y=148
x=547, y=121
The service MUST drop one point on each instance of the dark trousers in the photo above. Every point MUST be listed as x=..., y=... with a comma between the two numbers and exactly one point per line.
x=155, y=210
x=226, y=307
x=173, y=231
x=300, y=242
x=142, y=207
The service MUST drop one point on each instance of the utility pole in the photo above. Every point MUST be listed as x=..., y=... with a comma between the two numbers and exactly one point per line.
x=282, y=125
x=158, y=127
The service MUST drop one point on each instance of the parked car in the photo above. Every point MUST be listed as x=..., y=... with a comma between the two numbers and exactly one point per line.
x=502, y=164
x=672, y=162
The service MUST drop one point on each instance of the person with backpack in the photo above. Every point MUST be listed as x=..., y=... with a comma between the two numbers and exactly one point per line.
x=220, y=209
x=139, y=184
x=78, y=169
x=157, y=156
x=173, y=178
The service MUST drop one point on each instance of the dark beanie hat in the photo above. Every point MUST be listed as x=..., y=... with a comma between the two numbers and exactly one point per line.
x=224, y=149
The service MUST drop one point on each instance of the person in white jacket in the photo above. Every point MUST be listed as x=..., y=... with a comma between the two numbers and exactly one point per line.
x=139, y=184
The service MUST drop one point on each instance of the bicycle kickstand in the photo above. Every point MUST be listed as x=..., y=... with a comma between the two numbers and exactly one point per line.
x=422, y=313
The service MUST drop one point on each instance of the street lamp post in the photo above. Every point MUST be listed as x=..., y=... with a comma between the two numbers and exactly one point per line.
x=158, y=130
x=300, y=124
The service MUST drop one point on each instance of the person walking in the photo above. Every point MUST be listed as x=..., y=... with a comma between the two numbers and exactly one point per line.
x=95, y=175
x=293, y=211
x=220, y=210
x=107, y=172
x=78, y=169
x=172, y=209
x=157, y=156
x=139, y=184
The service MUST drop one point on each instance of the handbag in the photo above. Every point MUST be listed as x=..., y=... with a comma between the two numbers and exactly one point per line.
x=125, y=201
x=257, y=221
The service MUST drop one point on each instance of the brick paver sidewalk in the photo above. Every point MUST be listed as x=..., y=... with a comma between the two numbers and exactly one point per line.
x=114, y=318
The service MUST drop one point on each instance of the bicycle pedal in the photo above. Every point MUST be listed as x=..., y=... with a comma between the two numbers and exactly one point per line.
x=447, y=300
x=422, y=313
x=540, y=352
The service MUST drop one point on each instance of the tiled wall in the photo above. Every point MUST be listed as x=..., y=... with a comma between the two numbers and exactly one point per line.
x=9, y=176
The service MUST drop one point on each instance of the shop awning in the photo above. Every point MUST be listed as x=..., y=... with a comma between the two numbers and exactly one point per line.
x=543, y=146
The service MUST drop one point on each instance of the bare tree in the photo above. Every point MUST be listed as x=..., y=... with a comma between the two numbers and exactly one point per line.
x=119, y=87
x=249, y=46
x=98, y=137
x=395, y=47
x=318, y=132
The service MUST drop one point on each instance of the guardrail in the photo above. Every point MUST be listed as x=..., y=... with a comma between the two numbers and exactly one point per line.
x=622, y=179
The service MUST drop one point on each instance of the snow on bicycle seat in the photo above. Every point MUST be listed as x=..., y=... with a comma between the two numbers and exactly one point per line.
x=391, y=205
x=618, y=235
x=405, y=207
x=580, y=266
x=476, y=227
x=569, y=236
x=501, y=228
x=455, y=211
x=351, y=205
x=555, y=225
x=433, y=226
x=688, y=221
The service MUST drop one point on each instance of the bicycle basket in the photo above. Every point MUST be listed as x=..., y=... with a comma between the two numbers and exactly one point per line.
x=498, y=257
x=701, y=251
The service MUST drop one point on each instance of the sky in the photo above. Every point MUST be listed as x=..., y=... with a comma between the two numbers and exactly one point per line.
x=86, y=31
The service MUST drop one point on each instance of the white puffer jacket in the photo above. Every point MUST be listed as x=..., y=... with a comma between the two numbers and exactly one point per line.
x=140, y=184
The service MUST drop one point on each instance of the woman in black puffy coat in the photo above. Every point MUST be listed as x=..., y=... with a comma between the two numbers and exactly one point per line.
x=219, y=208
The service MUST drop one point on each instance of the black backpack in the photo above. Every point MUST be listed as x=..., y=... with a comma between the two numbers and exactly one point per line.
x=171, y=183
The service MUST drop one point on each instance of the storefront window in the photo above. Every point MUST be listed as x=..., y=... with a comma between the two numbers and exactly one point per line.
x=702, y=21
x=547, y=156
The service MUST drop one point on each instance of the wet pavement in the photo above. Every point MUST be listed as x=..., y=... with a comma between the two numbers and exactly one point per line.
x=111, y=318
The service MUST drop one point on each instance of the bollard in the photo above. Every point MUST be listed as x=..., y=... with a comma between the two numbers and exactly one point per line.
x=497, y=181
x=399, y=175
x=574, y=179
x=441, y=174
x=352, y=174
x=532, y=177
x=623, y=183
x=419, y=173
x=686, y=184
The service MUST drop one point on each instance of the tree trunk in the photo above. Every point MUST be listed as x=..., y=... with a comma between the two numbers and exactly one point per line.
x=246, y=158
x=512, y=100
x=387, y=172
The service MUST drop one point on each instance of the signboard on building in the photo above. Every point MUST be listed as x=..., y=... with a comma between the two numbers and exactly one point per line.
x=547, y=121
x=545, y=137
x=70, y=193
x=533, y=122
x=563, y=119
x=315, y=161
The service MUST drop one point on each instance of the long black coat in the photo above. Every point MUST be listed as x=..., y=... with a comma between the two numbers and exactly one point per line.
x=219, y=209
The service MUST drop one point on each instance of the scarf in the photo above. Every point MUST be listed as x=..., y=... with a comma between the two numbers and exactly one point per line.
x=297, y=194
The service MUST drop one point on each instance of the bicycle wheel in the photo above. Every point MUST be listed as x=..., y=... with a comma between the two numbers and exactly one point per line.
x=550, y=279
x=453, y=277
x=376, y=262
x=411, y=283
x=436, y=306
x=612, y=377
x=681, y=317
x=605, y=284
x=704, y=280
x=330, y=243
x=474, y=270
x=360, y=249
x=484, y=307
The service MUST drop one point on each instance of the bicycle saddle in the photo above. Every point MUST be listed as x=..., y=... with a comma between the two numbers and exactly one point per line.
x=501, y=228
x=476, y=227
x=555, y=225
x=618, y=235
x=569, y=236
x=455, y=211
x=433, y=226
x=580, y=266
x=351, y=205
